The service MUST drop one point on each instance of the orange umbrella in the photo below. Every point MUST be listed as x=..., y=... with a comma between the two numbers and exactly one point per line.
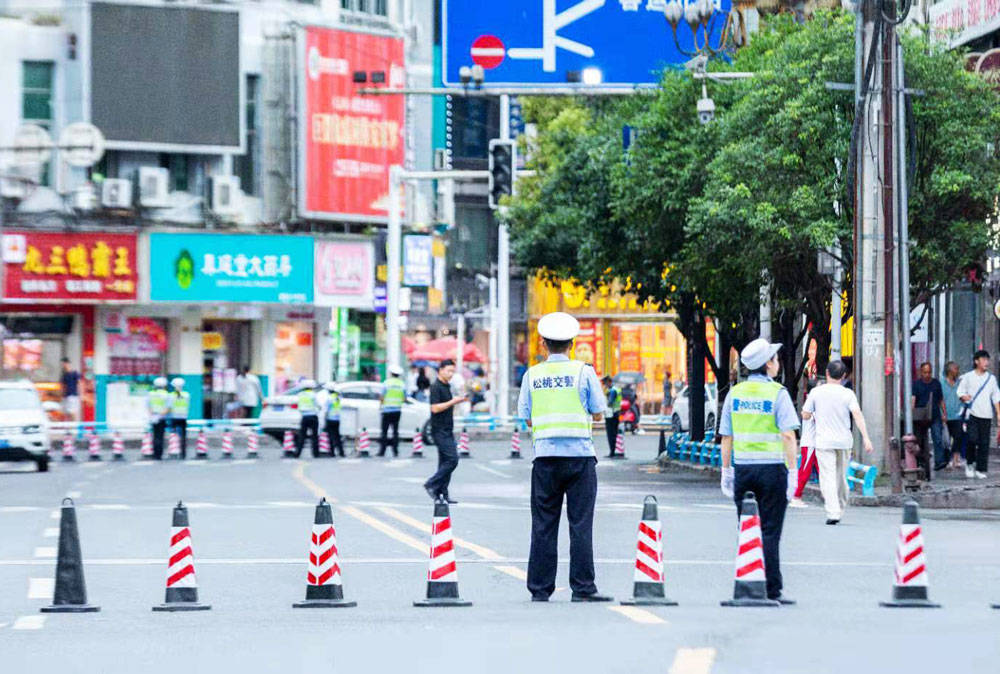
x=446, y=347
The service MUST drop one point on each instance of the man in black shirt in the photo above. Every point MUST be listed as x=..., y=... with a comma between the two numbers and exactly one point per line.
x=442, y=429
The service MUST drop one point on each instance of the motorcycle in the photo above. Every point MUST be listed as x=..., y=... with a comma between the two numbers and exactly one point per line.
x=627, y=417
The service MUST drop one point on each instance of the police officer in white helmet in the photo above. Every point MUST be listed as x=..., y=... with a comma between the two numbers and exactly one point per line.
x=559, y=398
x=180, y=409
x=158, y=406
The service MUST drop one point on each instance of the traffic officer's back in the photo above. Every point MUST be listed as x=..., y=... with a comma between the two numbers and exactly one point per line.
x=158, y=404
x=308, y=404
x=560, y=397
x=333, y=407
x=393, y=398
x=180, y=409
x=757, y=426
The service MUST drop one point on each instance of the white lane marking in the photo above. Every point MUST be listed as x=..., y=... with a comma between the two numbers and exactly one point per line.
x=693, y=661
x=29, y=622
x=201, y=504
x=41, y=588
x=411, y=480
x=45, y=552
x=140, y=464
x=399, y=463
x=639, y=615
x=716, y=506
x=19, y=509
x=290, y=504
x=490, y=470
x=50, y=532
x=93, y=464
x=55, y=514
x=73, y=494
x=501, y=462
x=110, y=506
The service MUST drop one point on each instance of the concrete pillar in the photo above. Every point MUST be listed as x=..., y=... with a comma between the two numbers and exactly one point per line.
x=321, y=341
x=184, y=343
x=262, y=334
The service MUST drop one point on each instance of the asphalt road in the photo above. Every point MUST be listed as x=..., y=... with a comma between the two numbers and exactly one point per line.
x=251, y=523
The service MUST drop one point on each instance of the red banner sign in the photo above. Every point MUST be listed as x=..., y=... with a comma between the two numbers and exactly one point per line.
x=350, y=139
x=61, y=266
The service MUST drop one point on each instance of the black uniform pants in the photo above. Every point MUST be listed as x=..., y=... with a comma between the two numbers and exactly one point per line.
x=159, y=430
x=390, y=420
x=447, y=462
x=308, y=426
x=552, y=479
x=180, y=427
x=977, y=451
x=611, y=426
x=333, y=432
x=768, y=482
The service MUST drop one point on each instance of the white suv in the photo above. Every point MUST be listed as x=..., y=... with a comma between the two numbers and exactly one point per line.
x=24, y=427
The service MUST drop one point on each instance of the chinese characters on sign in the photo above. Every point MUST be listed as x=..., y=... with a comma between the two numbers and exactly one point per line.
x=49, y=266
x=241, y=266
x=345, y=274
x=958, y=21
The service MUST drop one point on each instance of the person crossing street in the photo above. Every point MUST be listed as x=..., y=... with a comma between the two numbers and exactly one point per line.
x=393, y=397
x=158, y=405
x=612, y=415
x=443, y=431
x=757, y=426
x=308, y=405
x=559, y=398
x=332, y=416
x=180, y=408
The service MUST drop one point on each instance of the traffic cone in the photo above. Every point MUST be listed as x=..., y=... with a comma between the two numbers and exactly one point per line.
x=93, y=446
x=117, y=447
x=227, y=444
x=175, y=446
x=662, y=447
x=463, y=444
x=515, y=445
x=442, y=571
x=418, y=444
x=324, y=444
x=619, y=447
x=70, y=594
x=147, y=446
x=909, y=587
x=323, y=586
x=750, y=586
x=201, y=448
x=362, y=448
x=182, y=587
x=648, y=577
x=288, y=444
x=69, y=447
x=253, y=439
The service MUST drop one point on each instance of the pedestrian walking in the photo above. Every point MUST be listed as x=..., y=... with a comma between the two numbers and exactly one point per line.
x=70, y=383
x=331, y=413
x=927, y=401
x=757, y=426
x=393, y=397
x=668, y=391
x=248, y=392
x=953, y=413
x=308, y=405
x=832, y=406
x=978, y=391
x=559, y=397
x=158, y=405
x=612, y=415
x=443, y=431
x=180, y=409
x=807, y=462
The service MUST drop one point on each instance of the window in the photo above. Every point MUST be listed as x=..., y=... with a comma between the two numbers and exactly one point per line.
x=36, y=98
x=379, y=7
x=247, y=165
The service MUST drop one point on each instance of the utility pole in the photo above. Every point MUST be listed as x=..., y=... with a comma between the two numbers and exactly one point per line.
x=503, y=281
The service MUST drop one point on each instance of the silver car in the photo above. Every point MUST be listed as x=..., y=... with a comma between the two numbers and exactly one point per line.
x=24, y=426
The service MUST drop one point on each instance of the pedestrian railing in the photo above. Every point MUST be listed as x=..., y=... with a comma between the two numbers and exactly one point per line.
x=81, y=429
x=680, y=447
x=860, y=474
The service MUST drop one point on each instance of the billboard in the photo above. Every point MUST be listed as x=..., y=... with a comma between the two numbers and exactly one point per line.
x=418, y=260
x=167, y=78
x=529, y=42
x=348, y=141
x=230, y=268
x=62, y=267
x=345, y=274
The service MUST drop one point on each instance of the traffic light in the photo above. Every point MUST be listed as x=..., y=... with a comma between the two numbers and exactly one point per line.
x=502, y=160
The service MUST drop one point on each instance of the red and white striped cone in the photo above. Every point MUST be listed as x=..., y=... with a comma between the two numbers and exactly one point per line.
x=69, y=447
x=93, y=446
x=648, y=577
x=418, y=444
x=515, y=445
x=147, y=446
x=442, y=570
x=323, y=585
x=227, y=444
x=909, y=587
x=750, y=586
x=619, y=447
x=174, y=444
x=182, y=587
x=324, y=444
x=463, y=445
x=253, y=440
x=363, y=444
x=201, y=448
x=117, y=447
x=288, y=444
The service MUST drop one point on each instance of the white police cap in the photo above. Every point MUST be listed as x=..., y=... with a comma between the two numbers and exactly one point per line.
x=177, y=382
x=396, y=370
x=758, y=352
x=558, y=326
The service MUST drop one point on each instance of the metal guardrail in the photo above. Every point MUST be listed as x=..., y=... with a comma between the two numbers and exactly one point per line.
x=82, y=428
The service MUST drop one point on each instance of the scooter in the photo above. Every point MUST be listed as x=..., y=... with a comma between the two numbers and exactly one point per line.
x=627, y=417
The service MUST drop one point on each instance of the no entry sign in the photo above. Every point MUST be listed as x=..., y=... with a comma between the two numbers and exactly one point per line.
x=487, y=51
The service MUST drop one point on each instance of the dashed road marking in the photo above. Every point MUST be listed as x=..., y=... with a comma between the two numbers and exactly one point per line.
x=73, y=494
x=514, y=571
x=110, y=506
x=491, y=470
x=55, y=514
x=425, y=528
x=289, y=504
x=639, y=615
x=45, y=552
x=386, y=529
x=29, y=622
x=410, y=480
x=693, y=661
x=50, y=532
x=41, y=588
x=19, y=509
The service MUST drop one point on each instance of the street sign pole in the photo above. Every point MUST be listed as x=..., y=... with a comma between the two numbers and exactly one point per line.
x=395, y=235
x=503, y=280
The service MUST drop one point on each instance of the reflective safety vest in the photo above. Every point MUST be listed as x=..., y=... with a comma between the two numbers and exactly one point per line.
x=616, y=404
x=307, y=402
x=395, y=394
x=180, y=404
x=756, y=436
x=556, y=410
x=159, y=402
x=333, y=406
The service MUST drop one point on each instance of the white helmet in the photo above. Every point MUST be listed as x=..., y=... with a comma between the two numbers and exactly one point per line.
x=160, y=382
x=178, y=382
x=330, y=386
x=395, y=370
x=308, y=383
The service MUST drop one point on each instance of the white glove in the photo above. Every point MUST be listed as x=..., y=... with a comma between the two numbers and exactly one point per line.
x=793, y=484
x=727, y=482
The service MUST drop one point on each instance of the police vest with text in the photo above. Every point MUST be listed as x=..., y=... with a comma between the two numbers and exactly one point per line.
x=159, y=402
x=756, y=436
x=306, y=401
x=180, y=405
x=395, y=394
x=556, y=409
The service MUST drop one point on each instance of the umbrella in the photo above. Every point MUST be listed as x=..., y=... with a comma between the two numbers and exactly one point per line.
x=446, y=347
x=629, y=378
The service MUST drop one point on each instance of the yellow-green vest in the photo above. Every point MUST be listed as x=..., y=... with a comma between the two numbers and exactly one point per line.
x=180, y=404
x=756, y=436
x=159, y=402
x=616, y=406
x=307, y=403
x=556, y=410
x=333, y=406
x=395, y=394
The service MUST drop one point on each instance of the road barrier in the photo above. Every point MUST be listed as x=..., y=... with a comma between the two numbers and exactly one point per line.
x=253, y=442
x=70, y=594
x=288, y=444
x=227, y=444
x=463, y=444
x=93, y=447
x=619, y=447
x=182, y=586
x=515, y=444
x=680, y=447
x=363, y=445
x=647, y=582
x=418, y=444
x=866, y=479
x=323, y=585
x=201, y=449
x=117, y=447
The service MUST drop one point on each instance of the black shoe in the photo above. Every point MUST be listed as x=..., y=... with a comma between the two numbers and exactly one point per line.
x=539, y=597
x=785, y=601
x=430, y=492
x=832, y=521
x=450, y=500
x=592, y=597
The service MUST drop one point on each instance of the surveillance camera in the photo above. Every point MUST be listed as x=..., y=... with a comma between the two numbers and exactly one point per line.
x=478, y=75
x=706, y=110
x=465, y=74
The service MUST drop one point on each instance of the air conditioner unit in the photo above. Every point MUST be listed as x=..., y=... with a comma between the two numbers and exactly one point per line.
x=85, y=198
x=153, y=186
x=16, y=181
x=116, y=193
x=225, y=197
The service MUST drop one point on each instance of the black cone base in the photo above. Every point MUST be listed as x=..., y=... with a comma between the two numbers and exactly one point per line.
x=443, y=601
x=95, y=457
x=118, y=457
x=618, y=457
x=182, y=606
x=324, y=603
x=515, y=456
x=201, y=457
x=68, y=459
x=648, y=601
x=910, y=603
x=750, y=602
x=70, y=608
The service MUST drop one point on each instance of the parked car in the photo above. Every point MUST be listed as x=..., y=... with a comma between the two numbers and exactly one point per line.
x=359, y=402
x=24, y=426
x=679, y=420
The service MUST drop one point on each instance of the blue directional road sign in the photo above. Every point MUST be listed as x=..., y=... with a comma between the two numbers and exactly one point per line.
x=538, y=42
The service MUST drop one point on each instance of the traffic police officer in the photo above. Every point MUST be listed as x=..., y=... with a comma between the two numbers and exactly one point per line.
x=758, y=427
x=158, y=404
x=333, y=419
x=308, y=405
x=180, y=407
x=560, y=397
x=612, y=415
x=393, y=397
